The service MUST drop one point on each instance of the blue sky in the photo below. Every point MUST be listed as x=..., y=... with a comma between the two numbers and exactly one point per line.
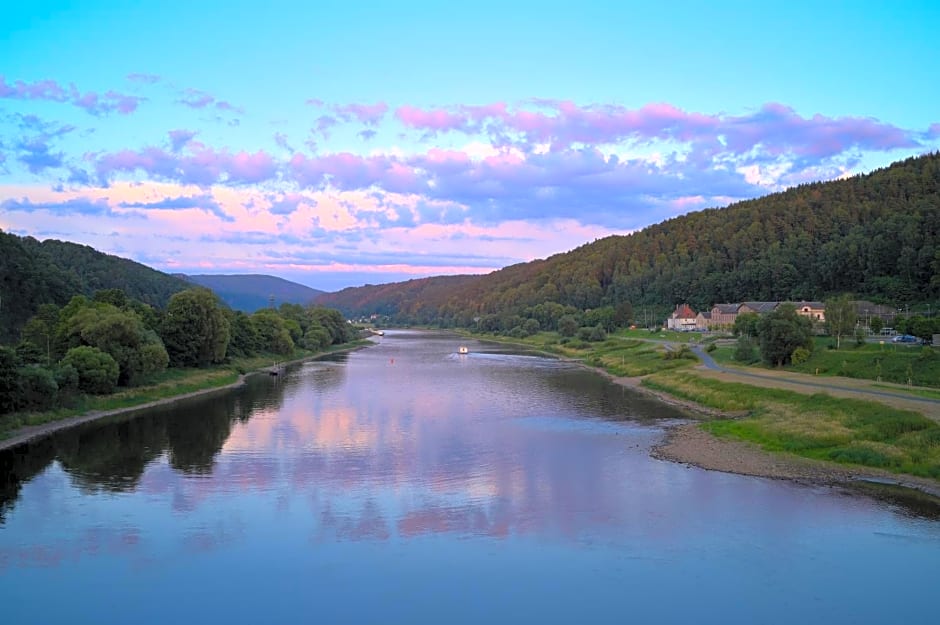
x=338, y=145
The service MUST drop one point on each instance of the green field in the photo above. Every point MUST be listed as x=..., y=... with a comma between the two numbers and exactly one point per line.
x=890, y=362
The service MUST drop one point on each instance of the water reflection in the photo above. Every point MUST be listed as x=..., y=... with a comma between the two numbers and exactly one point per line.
x=405, y=470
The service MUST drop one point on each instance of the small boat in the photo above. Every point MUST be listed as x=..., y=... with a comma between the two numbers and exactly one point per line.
x=463, y=350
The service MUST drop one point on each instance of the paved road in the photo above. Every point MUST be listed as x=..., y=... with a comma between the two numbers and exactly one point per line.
x=709, y=363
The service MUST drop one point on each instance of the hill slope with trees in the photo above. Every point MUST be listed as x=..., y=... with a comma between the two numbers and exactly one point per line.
x=33, y=273
x=875, y=235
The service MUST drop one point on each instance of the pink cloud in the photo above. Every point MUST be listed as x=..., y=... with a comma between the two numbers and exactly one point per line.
x=194, y=98
x=197, y=99
x=369, y=114
x=435, y=120
x=775, y=128
x=91, y=102
x=179, y=138
x=201, y=166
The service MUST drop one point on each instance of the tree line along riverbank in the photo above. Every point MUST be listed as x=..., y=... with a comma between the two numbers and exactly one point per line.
x=111, y=350
x=175, y=385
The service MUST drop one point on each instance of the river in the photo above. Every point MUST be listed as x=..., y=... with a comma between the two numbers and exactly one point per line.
x=407, y=483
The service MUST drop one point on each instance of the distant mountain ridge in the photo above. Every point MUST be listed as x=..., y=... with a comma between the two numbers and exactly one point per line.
x=875, y=235
x=251, y=292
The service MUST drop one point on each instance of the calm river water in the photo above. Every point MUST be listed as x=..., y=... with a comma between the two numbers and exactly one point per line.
x=405, y=483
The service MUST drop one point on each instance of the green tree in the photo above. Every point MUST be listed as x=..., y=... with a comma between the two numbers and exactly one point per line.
x=195, y=329
x=97, y=371
x=37, y=388
x=781, y=331
x=317, y=337
x=746, y=324
x=531, y=326
x=245, y=340
x=9, y=388
x=744, y=351
x=567, y=325
x=333, y=321
x=40, y=329
x=138, y=350
x=876, y=325
x=272, y=332
x=603, y=316
x=840, y=318
x=623, y=315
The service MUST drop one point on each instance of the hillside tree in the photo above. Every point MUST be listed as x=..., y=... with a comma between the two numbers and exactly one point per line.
x=840, y=318
x=782, y=331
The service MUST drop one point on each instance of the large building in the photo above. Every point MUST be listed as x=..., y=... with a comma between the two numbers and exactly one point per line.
x=682, y=319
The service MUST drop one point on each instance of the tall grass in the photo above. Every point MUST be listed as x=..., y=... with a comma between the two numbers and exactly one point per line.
x=816, y=426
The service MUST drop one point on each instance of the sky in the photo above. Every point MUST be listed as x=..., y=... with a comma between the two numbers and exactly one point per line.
x=346, y=143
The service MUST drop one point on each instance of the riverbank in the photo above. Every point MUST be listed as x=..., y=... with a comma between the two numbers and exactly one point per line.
x=755, y=426
x=27, y=433
x=691, y=445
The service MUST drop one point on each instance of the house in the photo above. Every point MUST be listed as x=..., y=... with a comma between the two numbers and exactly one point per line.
x=723, y=315
x=682, y=319
x=814, y=310
x=703, y=320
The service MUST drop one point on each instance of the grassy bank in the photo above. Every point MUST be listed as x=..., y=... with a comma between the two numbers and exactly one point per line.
x=817, y=426
x=171, y=383
x=889, y=362
x=619, y=355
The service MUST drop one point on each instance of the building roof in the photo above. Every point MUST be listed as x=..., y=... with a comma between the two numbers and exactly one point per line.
x=683, y=311
x=727, y=309
x=705, y=315
x=814, y=305
x=762, y=307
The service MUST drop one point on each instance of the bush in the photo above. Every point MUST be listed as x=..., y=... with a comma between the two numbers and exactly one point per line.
x=38, y=388
x=97, y=371
x=531, y=326
x=597, y=334
x=711, y=347
x=800, y=355
x=518, y=333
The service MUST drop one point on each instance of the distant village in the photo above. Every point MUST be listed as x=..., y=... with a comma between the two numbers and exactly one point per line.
x=722, y=316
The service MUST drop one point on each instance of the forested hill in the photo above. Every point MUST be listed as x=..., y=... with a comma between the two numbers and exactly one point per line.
x=875, y=235
x=51, y=272
x=422, y=296
x=252, y=292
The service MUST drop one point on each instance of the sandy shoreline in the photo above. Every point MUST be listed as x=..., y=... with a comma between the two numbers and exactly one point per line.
x=689, y=444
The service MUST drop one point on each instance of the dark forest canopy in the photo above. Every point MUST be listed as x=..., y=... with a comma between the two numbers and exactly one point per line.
x=875, y=235
x=33, y=273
